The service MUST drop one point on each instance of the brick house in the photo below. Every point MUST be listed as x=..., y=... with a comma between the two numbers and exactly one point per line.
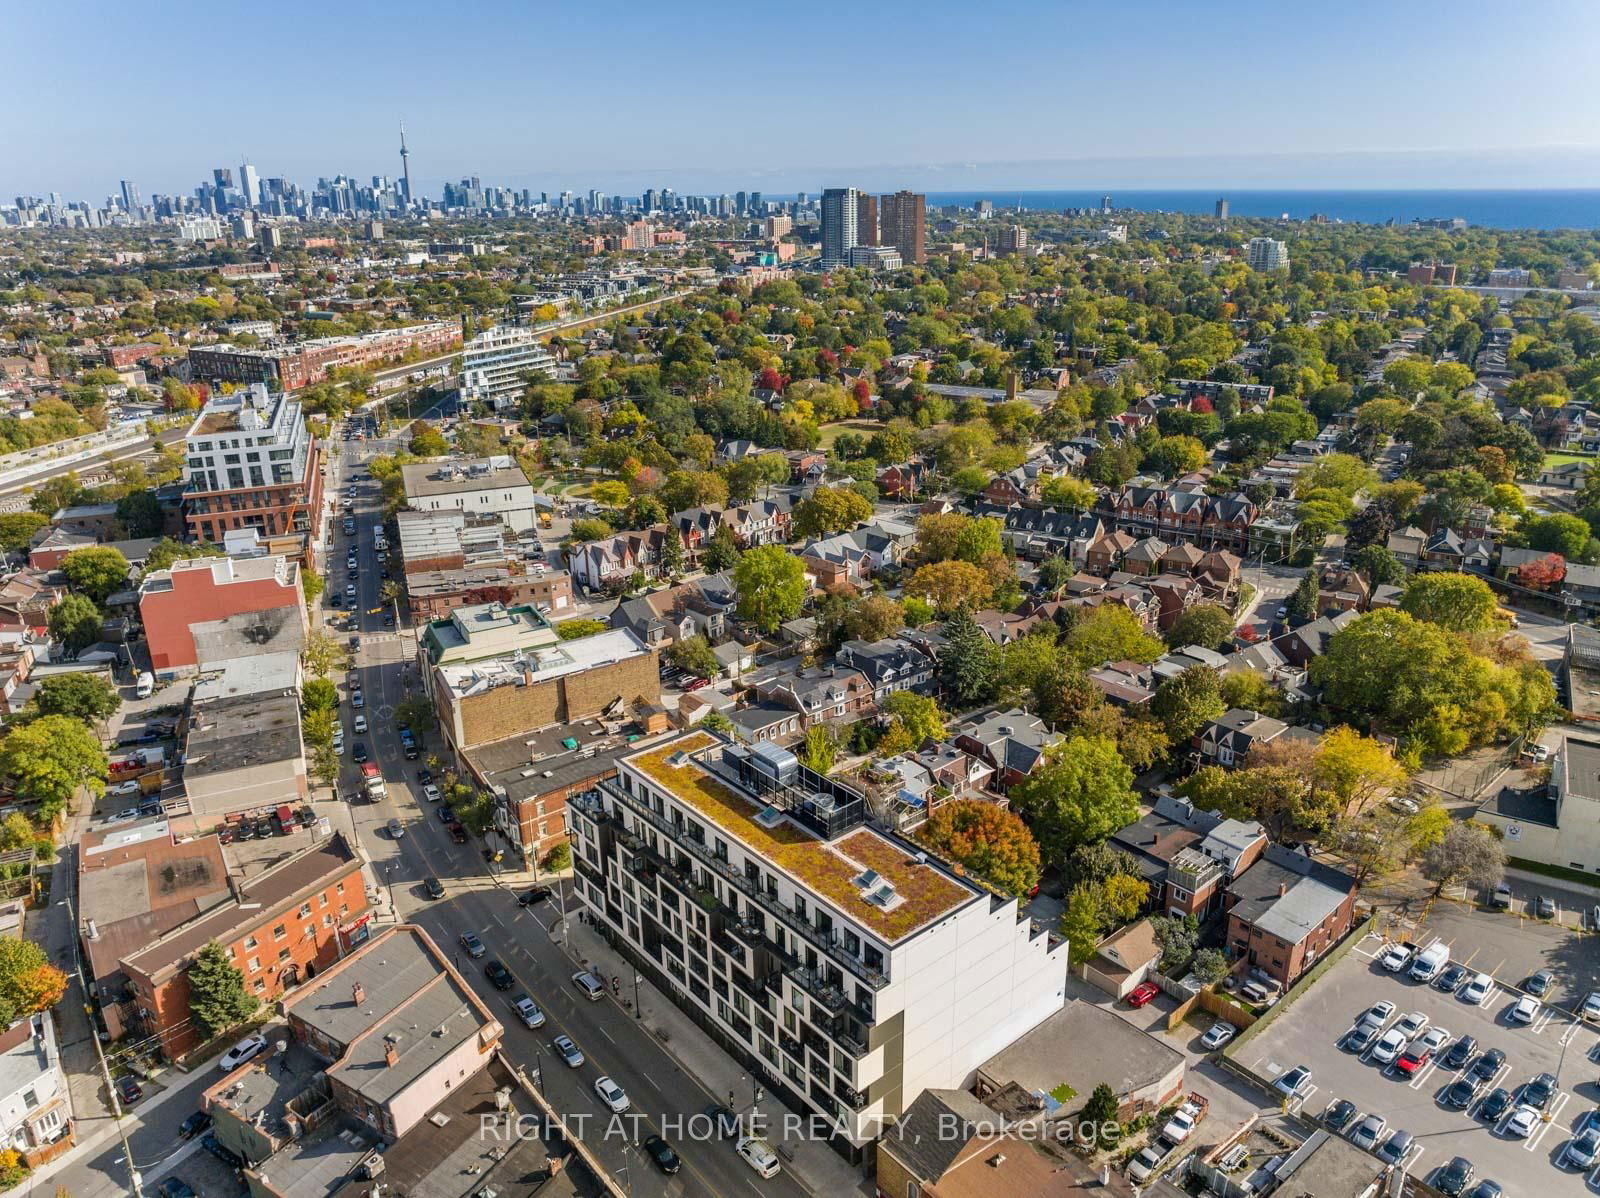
x=1286, y=911
x=1106, y=554
x=819, y=694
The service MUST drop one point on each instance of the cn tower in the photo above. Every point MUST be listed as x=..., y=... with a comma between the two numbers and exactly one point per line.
x=405, y=162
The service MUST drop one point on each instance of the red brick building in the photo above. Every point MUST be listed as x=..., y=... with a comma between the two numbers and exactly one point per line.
x=199, y=590
x=280, y=928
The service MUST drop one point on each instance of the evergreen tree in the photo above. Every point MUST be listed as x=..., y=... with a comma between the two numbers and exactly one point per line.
x=217, y=997
x=1303, y=603
x=966, y=661
x=1101, y=1111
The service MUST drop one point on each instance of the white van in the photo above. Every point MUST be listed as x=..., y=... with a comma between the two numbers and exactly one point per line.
x=146, y=685
x=1430, y=961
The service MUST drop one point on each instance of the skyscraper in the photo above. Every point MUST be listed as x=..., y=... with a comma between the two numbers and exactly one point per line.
x=866, y=219
x=405, y=164
x=903, y=224
x=1105, y=203
x=250, y=185
x=1266, y=253
x=840, y=224
x=1222, y=209
x=130, y=198
x=223, y=176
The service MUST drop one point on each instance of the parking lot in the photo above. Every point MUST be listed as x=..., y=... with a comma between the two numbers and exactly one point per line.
x=1512, y=945
x=1313, y=1030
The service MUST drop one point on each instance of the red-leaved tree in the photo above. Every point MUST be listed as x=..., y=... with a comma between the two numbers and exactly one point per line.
x=1542, y=572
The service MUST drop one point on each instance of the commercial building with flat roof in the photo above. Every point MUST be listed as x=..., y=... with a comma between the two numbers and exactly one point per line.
x=492, y=486
x=844, y=966
x=251, y=463
x=173, y=603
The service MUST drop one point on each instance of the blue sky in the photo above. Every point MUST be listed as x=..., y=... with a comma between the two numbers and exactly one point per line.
x=715, y=96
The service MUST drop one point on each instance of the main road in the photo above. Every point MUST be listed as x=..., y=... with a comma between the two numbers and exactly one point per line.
x=526, y=940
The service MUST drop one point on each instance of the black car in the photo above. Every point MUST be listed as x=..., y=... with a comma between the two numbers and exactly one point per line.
x=1496, y=1105
x=1486, y=1189
x=358, y=752
x=224, y=1154
x=536, y=894
x=723, y=1121
x=1537, y=1093
x=499, y=975
x=1337, y=1117
x=1459, y=1053
x=424, y=775
x=1486, y=1066
x=355, y=642
x=1460, y=1093
x=1455, y=1176
x=1451, y=977
x=661, y=1152
x=194, y=1125
x=128, y=1089
x=435, y=888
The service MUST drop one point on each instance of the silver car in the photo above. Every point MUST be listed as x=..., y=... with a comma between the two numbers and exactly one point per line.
x=1368, y=1132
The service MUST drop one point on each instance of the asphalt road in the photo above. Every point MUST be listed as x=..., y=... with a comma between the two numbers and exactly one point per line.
x=612, y=1041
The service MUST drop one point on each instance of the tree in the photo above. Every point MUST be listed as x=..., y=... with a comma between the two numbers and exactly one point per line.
x=772, y=586
x=1082, y=794
x=1427, y=828
x=1303, y=603
x=86, y=697
x=721, y=552
x=589, y=529
x=1172, y=456
x=217, y=996
x=987, y=840
x=75, y=622
x=1208, y=625
x=874, y=618
x=571, y=630
x=323, y=655
x=1252, y=692
x=17, y=529
x=415, y=713
x=96, y=570
x=830, y=510
x=715, y=721
x=427, y=441
x=166, y=551
x=1458, y=602
x=1185, y=703
x=694, y=655
x=1080, y=923
x=1542, y=573
x=312, y=585
x=1277, y=796
x=966, y=661
x=1099, y=1116
x=1209, y=965
x=1379, y=565
x=64, y=490
x=1356, y=768
x=558, y=860
x=1469, y=854
x=318, y=694
x=950, y=585
x=141, y=514
x=610, y=493
x=1371, y=846
x=50, y=758
x=1177, y=935
x=820, y=749
x=1111, y=633
x=1055, y=573
x=1369, y=527
x=28, y=982
x=1068, y=492
x=917, y=714
x=1557, y=533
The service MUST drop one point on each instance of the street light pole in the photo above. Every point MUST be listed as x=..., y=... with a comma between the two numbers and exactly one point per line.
x=134, y=1179
x=638, y=1011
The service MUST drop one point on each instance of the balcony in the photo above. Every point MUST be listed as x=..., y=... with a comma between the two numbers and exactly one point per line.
x=767, y=902
x=829, y=996
x=848, y=1099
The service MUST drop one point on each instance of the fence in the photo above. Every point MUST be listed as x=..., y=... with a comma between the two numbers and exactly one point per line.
x=1305, y=982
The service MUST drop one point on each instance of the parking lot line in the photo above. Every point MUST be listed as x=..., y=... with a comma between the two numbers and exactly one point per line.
x=1422, y=1076
x=1408, y=1163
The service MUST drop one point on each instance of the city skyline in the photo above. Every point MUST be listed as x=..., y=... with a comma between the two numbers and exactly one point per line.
x=1097, y=122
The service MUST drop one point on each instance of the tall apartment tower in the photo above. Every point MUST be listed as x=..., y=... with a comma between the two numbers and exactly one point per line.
x=250, y=185
x=903, y=224
x=1222, y=209
x=1266, y=254
x=867, y=219
x=840, y=224
x=130, y=198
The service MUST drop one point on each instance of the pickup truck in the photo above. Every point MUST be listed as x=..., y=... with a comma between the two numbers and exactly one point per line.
x=1185, y=1118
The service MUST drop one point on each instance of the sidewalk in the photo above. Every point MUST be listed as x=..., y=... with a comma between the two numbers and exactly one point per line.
x=818, y=1167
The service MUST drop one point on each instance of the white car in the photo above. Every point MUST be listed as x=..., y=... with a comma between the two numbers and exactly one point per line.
x=1591, y=1006
x=1141, y=1166
x=431, y=793
x=357, y=699
x=247, y=1049
x=1477, y=990
x=338, y=745
x=1218, y=1034
x=360, y=724
x=1523, y=1010
x=1522, y=1122
x=1395, y=958
x=1433, y=1039
x=124, y=788
x=528, y=1011
x=1411, y=1024
x=1181, y=1124
x=1389, y=1046
x=759, y=1156
x=611, y=1094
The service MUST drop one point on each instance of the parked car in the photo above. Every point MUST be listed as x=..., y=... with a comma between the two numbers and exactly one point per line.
x=589, y=985
x=1389, y=1046
x=1583, y=1149
x=1523, y=1010
x=175, y=1187
x=567, y=1051
x=1492, y=1108
x=1339, y=1115
x=1500, y=900
x=1451, y=977
x=1293, y=1081
x=1378, y=1014
x=1538, y=984
x=758, y=1154
x=129, y=1091
x=1396, y=1147
x=1368, y=1132
x=458, y=834
x=1411, y=1024
x=431, y=792
x=192, y=1126
x=1361, y=1037
x=1538, y=1092
x=534, y=894
x=1590, y=1009
x=1455, y=1177
x=1218, y=1034
x=1544, y=907
x=1144, y=1164
x=1460, y=1093
x=1486, y=1189
x=1141, y=994
x=1487, y=1065
x=247, y=1049
x=1522, y=1122
x=223, y=1153
x=1413, y=1059
x=434, y=887
x=1476, y=990
x=1395, y=958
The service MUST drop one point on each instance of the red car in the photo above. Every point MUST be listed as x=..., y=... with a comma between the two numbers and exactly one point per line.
x=458, y=834
x=1411, y=1060
x=1142, y=994
x=695, y=684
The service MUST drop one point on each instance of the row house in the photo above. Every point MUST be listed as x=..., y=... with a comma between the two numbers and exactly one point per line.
x=854, y=557
x=889, y=665
x=1188, y=856
x=1035, y=533
x=612, y=561
x=1011, y=743
x=806, y=465
x=1229, y=739
x=1184, y=514
x=1013, y=487
x=904, y=479
x=819, y=694
x=701, y=607
x=1340, y=588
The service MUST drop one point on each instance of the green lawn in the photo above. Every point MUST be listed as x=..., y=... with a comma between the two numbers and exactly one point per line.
x=832, y=432
x=1557, y=459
